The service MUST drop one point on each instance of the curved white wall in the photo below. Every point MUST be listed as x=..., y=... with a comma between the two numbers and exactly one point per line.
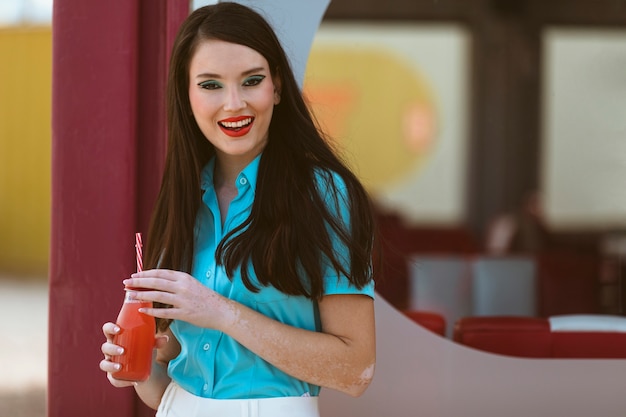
x=421, y=374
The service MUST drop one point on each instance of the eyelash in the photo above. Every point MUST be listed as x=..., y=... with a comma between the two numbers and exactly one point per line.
x=248, y=82
x=210, y=85
x=253, y=80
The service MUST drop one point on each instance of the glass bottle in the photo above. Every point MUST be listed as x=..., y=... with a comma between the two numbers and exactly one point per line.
x=136, y=336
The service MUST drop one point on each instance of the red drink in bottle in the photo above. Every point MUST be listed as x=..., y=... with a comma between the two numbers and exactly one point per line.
x=137, y=338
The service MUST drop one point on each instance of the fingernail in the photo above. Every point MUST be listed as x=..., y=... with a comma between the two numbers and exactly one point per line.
x=120, y=350
x=116, y=329
x=118, y=366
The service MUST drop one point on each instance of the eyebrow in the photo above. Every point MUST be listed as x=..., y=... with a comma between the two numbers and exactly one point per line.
x=245, y=73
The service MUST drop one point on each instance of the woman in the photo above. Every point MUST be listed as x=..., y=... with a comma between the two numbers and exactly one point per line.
x=261, y=235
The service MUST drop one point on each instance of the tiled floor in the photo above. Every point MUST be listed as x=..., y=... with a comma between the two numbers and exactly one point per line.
x=23, y=346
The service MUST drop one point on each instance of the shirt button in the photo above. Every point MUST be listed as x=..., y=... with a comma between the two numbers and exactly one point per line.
x=206, y=346
x=206, y=387
x=243, y=181
x=209, y=273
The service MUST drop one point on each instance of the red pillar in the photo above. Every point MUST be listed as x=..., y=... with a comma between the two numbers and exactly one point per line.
x=108, y=142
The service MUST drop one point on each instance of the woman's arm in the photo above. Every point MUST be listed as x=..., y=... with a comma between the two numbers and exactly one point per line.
x=342, y=356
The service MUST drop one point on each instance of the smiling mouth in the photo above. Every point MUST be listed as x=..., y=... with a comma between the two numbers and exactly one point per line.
x=236, y=125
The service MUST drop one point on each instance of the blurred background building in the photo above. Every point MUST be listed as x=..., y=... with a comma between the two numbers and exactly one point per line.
x=25, y=114
x=453, y=113
x=25, y=161
x=482, y=128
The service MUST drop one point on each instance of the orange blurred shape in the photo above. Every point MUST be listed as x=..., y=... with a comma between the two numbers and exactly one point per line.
x=332, y=105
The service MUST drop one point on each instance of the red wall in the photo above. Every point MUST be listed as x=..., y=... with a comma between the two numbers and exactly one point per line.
x=108, y=142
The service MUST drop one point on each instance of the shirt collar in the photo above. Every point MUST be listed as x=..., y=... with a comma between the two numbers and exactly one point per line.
x=247, y=177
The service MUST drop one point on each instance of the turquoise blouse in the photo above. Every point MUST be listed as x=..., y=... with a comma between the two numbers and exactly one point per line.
x=214, y=365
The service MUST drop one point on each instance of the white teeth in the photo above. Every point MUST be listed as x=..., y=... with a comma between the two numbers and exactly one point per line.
x=240, y=123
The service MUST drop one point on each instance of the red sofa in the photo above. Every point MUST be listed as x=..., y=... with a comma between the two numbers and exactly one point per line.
x=571, y=336
x=432, y=321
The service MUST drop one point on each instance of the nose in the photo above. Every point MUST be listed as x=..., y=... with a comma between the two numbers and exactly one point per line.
x=234, y=100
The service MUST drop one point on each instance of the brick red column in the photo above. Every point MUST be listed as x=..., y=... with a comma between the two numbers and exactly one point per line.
x=108, y=141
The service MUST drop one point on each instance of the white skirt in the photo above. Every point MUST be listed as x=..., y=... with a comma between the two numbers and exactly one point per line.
x=177, y=402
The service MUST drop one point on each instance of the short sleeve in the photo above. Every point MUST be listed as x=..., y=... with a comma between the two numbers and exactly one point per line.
x=334, y=192
x=342, y=286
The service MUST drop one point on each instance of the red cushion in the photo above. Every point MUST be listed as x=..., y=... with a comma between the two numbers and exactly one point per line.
x=432, y=321
x=514, y=336
x=572, y=344
x=531, y=337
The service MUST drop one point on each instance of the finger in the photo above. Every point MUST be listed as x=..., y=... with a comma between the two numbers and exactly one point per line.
x=110, y=329
x=155, y=296
x=109, y=349
x=162, y=313
x=151, y=283
x=167, y=274
x=109, y=367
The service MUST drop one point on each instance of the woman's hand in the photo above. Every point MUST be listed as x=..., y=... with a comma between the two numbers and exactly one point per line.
x=190, y=301
x=111, y=350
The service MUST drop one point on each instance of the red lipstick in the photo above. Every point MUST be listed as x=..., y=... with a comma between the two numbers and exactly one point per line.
x=236, y=126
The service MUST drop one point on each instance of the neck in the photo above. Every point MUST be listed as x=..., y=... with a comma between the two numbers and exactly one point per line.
x=226, y=172
x=227, y=169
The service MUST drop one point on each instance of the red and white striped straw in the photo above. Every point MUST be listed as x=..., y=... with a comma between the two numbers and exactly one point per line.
x=139, y=251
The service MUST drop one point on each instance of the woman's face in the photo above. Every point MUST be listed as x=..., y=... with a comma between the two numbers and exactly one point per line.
x=232, y=96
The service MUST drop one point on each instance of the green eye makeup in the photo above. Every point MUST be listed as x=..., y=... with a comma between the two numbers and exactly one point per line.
x=253, y=80
x=210, y=85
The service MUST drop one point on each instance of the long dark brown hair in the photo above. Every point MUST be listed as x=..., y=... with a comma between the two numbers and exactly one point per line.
x=289, y=235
